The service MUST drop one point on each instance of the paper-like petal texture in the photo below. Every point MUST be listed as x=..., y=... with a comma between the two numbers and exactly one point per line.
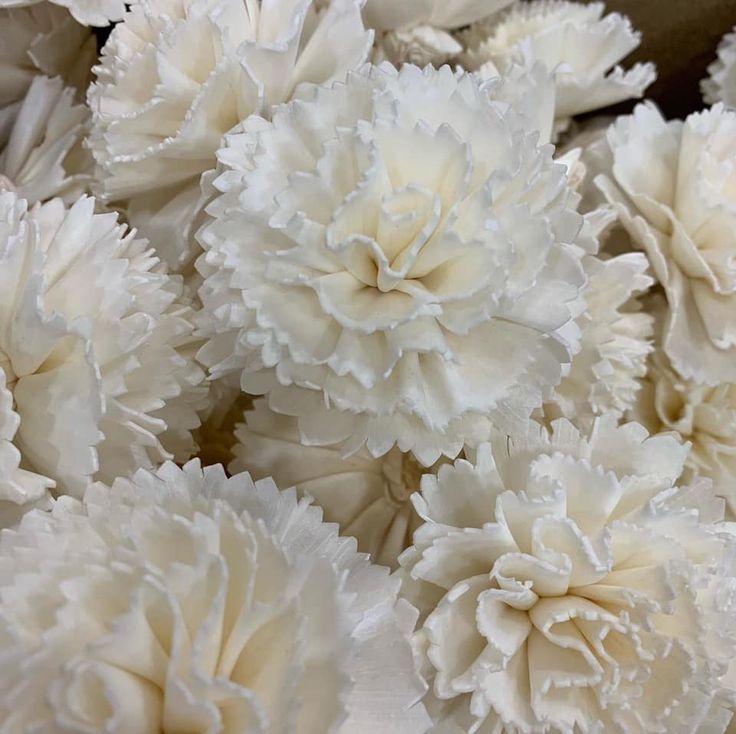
x=673, y=185
x=720, y=85
x=187, y=601
x=392, y=260
x=176, y=75
x=564, y=584
x=95, y=348
x=368, y=498
x=575, y=40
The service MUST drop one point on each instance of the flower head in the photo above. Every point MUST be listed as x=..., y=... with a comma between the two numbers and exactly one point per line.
x=92, y=336
x=184, y=600
x=720, y=85
x=367, y=497
x=565, y=584
x=573, y=40
x=392, y=260
x=176, y=75
x=673, y=185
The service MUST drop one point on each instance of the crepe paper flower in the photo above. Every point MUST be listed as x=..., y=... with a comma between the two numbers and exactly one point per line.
x=616, y=338
x=368, y=498
x=42, y=155
x=95, y=349
x=418, y=31
x=564, y=584
x=176, y=75
x=392, y=261
x=574, y=40
x=720, y=85
x=184, y=600
x=704, y=415
x=673, y=187
x=41, y=39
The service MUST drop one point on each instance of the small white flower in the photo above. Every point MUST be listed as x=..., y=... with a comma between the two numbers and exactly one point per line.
x=41, y=39
x=720, y=86
x=85, y=12
x=368, y=498
x=42, y=156
x=573, y=40
x=419, y=31
x=564, y=584
x=95, y=349
x=176, y=75
x=673, y=185
x=392, y=260
x=187, y=601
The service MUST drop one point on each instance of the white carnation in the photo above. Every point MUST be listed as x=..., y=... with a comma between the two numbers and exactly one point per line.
x=41, y=39
x=368, y=498
x=564, y=584
x=418, y=31
x=95, y=349
x=41, y=152
x=573, y=40
x=720, y=86
x=176, y=75
x=187, y=601
x=673, y=185
x=704, y=415
x=392, y=261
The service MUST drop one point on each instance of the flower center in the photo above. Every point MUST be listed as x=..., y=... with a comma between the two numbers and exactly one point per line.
x=402, y=473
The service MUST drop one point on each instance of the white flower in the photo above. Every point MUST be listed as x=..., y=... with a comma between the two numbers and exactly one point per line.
x=176, y=75
x=565, y=585
x=95, y=349
x=573, y=40
x=40, y=39
x=187, y=601
x=391, y=261
x=86, y=12
x=705, y=415
x=417, y=31
x=368, y=498
x=42, y=155
x=614, y=343
x=674, y=187
x=720, y=86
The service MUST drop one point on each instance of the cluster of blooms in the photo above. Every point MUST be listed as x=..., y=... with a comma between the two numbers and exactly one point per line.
x=351, y=382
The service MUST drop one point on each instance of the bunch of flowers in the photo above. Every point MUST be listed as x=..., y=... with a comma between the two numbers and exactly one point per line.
x=355, y=378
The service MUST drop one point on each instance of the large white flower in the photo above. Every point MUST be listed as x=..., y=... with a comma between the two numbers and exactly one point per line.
x=417, y=31
x=391, y=261
x=574, y=40
x=616, y=338
x=41, y=152
x=86, y=12
x=42, y=39
x=565, y=585
x=674, y=187
x=705, y=415
x=720, y=85
x=368, y=498
x=187, y=601
x=176, y=75
x=95, y=349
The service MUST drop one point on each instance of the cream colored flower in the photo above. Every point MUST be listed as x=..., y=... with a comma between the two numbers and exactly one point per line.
x=673, y=185
x=392, y=260
x=565, y=585
x=704, y=415
x=41, y=39
x=176, y=75
x=573, y=40
x=616, y=338
x=418, y=31
x=187, y=601
x=720, y=86
x=42, y=154
x=368, y=498
x=95, y=349
x=86, y=12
